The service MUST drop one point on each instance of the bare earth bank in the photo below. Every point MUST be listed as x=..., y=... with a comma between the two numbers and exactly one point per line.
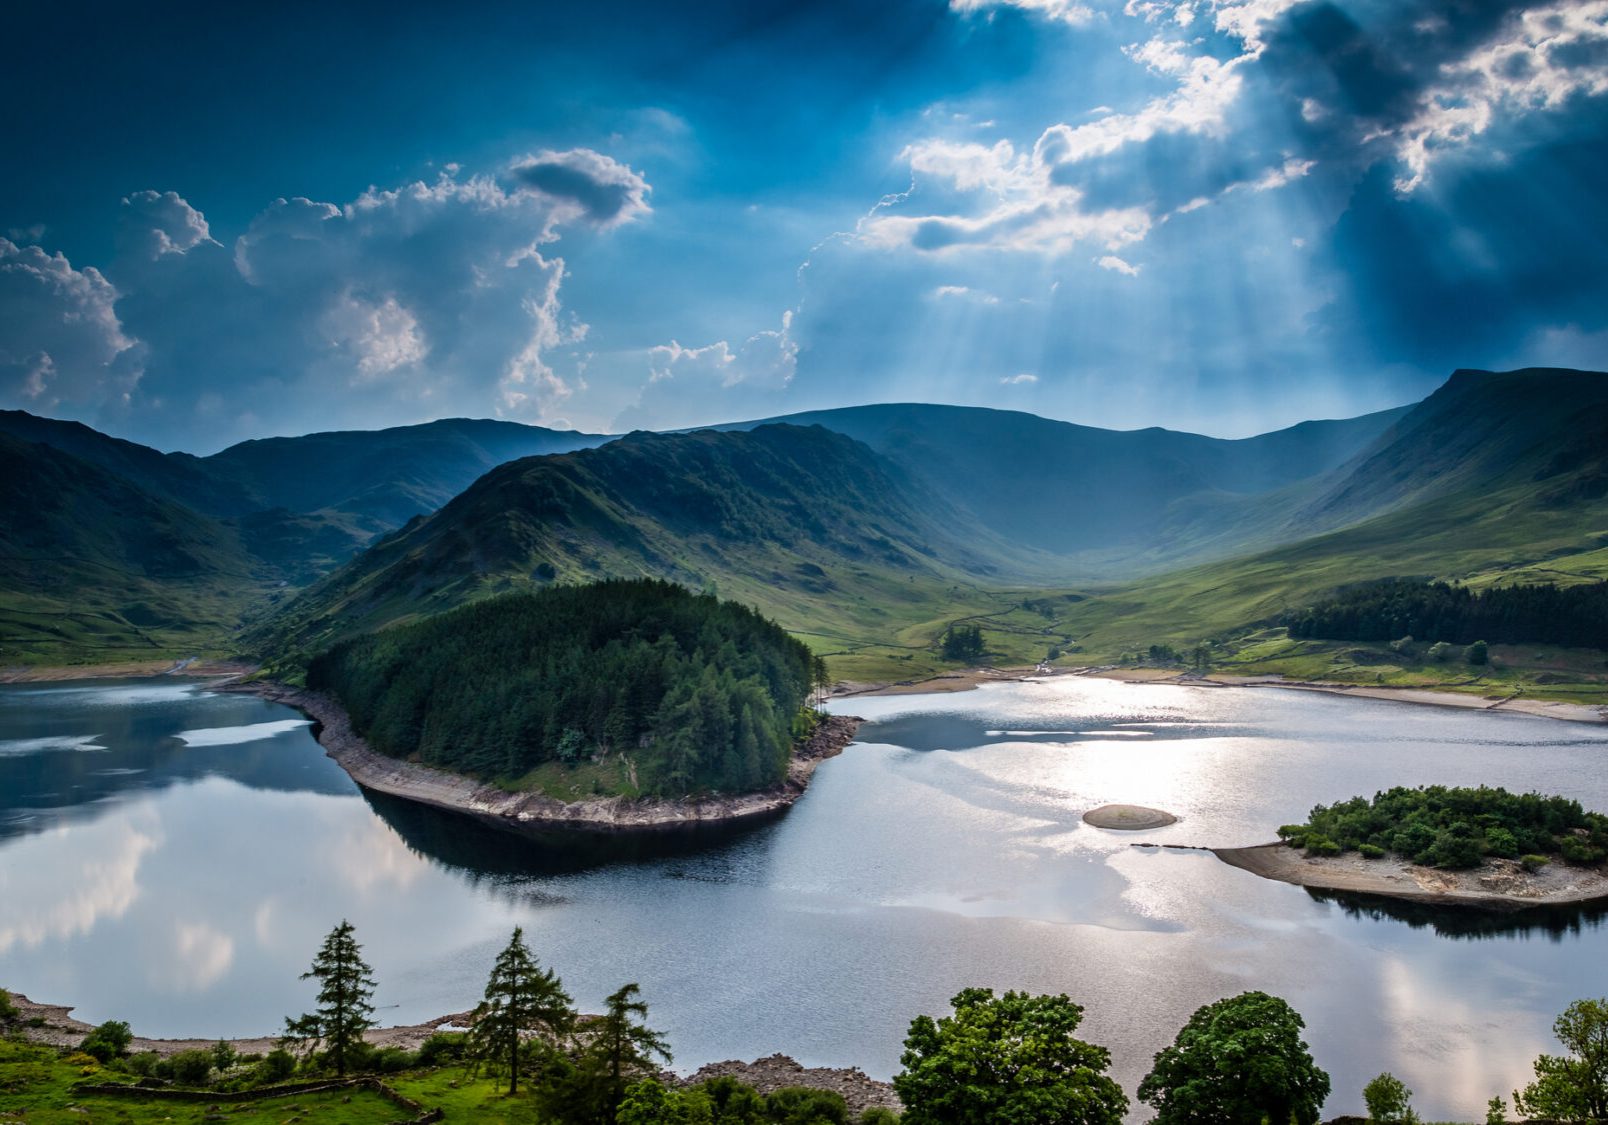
x=1498, y=884
x=426, y=785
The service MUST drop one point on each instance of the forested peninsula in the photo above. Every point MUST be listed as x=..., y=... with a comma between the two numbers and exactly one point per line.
x=622, y=704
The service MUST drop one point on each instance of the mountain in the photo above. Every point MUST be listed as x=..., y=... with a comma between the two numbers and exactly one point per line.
x=1110, y=500
x=1494, y=477
x=381, y=478
x=91, y=561
x=806, y=523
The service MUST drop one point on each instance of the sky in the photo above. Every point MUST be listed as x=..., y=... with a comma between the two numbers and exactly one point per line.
x=223, y=222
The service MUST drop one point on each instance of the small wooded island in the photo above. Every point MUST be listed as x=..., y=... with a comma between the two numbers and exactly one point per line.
x=1480, y=847
x=621, y=704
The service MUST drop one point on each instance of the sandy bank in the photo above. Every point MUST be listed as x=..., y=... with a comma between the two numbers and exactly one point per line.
x=26, y=674
x=414, y=782
x=60, y=1029
x=1499, y=884
x=1128, y=818
x=1546, y=708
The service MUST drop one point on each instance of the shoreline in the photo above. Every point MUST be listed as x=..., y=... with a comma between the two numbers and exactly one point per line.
x=970, y=679
x=456, y=793
x=1500, y=886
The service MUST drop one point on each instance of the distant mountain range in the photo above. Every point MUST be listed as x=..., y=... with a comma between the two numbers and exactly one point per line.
x=863, y=520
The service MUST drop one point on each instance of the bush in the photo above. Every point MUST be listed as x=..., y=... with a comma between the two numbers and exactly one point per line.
x=1479, y=653
x=879, y=1115
x=391, y=1060
x=107, y=1041
x=223, y=1055
x=443, y=1047
x=801, y=1105
x=1440, y=652
x=1496, y=1112
x=1321, y=845
x=8, y=1010
x=1534, y=863
x=143, y=1064
x=192, y=1068
x=1501, y=842
x=276, y=1066
x=1388, y=1100
x=1371, y=851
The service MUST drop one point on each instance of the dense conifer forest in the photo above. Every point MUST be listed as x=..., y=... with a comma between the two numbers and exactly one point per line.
x=702, y=695
x=1438, y=611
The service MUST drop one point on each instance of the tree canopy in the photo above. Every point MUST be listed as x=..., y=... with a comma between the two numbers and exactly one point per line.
x=1572, y=1087
x=1452, y=827
x=345, y=993
x=1006, y=1060
x=1240, y=1061
x=702, y=694
x=1439, y=611
x=521, y=999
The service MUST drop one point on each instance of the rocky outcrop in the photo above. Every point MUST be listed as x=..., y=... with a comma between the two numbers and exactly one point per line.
x=776, y=1072
x=427, y=785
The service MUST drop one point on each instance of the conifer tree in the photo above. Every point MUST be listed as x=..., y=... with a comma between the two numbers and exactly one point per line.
x=346, y=986
x=622, y=1045
x=521, y=998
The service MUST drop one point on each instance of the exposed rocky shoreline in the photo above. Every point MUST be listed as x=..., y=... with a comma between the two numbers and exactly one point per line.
x=775, y=1072
x=441, y=789
x=1500, y=885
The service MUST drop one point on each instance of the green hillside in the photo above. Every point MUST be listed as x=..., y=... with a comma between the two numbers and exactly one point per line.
x=91, y=564
x=810, y=526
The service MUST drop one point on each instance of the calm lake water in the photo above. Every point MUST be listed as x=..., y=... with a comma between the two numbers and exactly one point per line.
x=173, y=857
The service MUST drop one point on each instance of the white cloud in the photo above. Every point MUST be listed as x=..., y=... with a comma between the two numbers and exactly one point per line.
x=1541, y=60
x=61, y=342
x=159, y=223
x=1117, y=265
x=381, y=336
x=1066, y=11
x=964, y=293
x=1018, y=380
x=765, y=359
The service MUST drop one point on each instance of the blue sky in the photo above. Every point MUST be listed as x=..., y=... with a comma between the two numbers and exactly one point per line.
x=1216, y=215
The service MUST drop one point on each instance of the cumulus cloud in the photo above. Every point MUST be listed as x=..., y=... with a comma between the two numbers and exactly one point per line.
x=404, y=303
x=1066, y=11
x=690, y=385
x=61, y=342
x=1117, y=265
x=584, y=184
x=1542, y=59
x=158, y=223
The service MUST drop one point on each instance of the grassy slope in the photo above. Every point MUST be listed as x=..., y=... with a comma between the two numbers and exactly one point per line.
x=92, y=566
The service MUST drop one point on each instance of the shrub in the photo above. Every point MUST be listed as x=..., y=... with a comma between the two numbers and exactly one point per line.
x=223, y=1055
x=1479, y=653
x=276, y=1066
x=1501, y=842
x=391, y=1060
x=1534, y=862
x=192, y=1068
x=1389, y=1101
x=143, y=1064
x=107, y=1041
x=1440, y=652
x=801, y=1105
x=8, y=1010
x=1496, y=1112
x=1321, y=845
x=1580, y=852
x=443, y=1047
x=1371, y=851
x=879, y=1115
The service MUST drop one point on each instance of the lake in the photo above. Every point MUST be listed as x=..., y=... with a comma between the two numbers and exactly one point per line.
x=173, y=857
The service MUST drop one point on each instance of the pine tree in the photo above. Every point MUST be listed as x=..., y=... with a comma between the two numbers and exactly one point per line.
x=521, y=998
x=622, y=1045
x=346, y=985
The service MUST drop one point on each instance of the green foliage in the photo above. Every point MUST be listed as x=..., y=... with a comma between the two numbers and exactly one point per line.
x=1007, y=1058
x=1456, y=828
x=345, y=992
x=8, y=1010
x=108, y=1041
x=223, y=1055
x=1371, y=851
x=1440, y=652
x=619, y=1047
x=700, y=693
x=192, y=1068
x=878, y=1115
x=1496, y=1111
x=1533, y=863
x=521, y=999
x=276, y=1066
x=801, y=1105
x=443, y=1047
x=965, y=643
x=1377, y=611
x=1572, y=1087
x=1389, y=1101
x=1240, y=1061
